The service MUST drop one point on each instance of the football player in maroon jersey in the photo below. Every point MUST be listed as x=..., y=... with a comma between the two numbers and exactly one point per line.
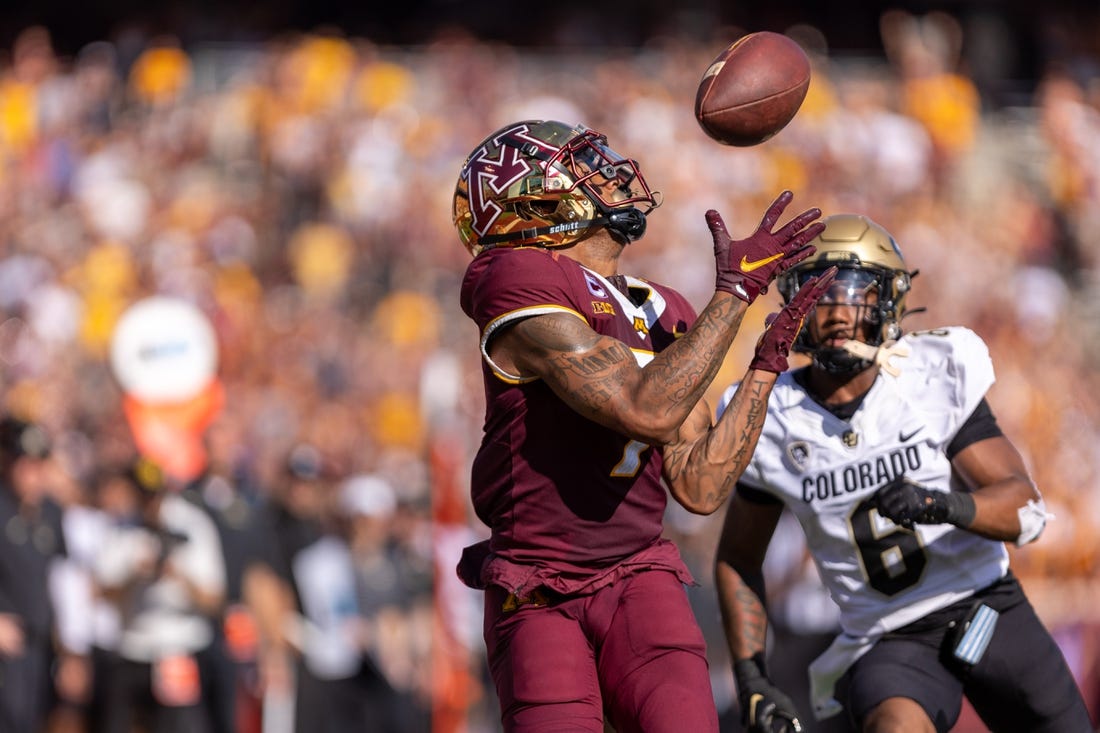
x=594, y=385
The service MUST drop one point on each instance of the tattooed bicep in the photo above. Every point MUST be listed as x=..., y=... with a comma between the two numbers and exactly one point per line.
x=584, y=366
x=554, y=332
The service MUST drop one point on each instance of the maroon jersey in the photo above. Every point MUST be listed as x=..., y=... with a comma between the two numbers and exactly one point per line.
x=568, y=500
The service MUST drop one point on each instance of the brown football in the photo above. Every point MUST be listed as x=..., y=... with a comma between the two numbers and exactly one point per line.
x=752, y=89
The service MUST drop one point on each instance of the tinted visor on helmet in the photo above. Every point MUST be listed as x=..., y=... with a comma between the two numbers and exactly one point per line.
x=611, y=180
x=850, y=287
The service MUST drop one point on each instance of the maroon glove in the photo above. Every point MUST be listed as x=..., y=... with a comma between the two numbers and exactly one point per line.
x=746, y=266
x=775, y=343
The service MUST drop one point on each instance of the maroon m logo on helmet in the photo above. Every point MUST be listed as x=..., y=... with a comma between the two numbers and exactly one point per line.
x=488, y=172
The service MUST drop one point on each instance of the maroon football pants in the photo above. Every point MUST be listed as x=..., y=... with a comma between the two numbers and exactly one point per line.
x=632, y=651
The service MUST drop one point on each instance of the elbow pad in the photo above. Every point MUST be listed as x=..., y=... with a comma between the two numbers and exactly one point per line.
x=1033, y=518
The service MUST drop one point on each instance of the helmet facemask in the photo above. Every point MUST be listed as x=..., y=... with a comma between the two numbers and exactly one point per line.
x=853, y=288
x=871, y=278
x=551, y=185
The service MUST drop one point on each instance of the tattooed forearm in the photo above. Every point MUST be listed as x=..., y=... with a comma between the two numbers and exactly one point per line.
x=753, y=620
x=748, y=408
x=683, y=372
x=740, y=598
x=703, y=465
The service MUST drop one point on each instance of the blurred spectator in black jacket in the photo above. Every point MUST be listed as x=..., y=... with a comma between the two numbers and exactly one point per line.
x=31, y=545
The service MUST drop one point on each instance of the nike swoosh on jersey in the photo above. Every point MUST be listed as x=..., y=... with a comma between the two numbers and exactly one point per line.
x=747, y=266
x=902, y=437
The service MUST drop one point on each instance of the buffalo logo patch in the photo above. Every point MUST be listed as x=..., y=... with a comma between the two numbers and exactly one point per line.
x=799, y=454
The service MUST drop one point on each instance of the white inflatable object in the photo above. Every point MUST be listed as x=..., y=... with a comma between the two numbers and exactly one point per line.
x=164, y=350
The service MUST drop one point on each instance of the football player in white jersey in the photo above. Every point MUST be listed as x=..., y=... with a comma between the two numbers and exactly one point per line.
x=888, y=454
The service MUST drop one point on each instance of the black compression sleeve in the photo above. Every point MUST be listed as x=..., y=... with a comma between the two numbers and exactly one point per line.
x=756, y=496
x=980, y=425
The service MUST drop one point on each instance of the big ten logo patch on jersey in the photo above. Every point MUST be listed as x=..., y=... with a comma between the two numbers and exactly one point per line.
x=602, y=307
x=596, y=288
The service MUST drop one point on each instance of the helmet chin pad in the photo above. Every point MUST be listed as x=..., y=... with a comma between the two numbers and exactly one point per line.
x=839, y=361
x=626, y=225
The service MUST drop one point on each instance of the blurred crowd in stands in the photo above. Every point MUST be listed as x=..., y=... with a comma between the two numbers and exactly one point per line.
x=298, y=191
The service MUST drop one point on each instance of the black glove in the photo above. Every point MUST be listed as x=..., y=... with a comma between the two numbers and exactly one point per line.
x=747, y=266
x=764, y=707
x=905, y=503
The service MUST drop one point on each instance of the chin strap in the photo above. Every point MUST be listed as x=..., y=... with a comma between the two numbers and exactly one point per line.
x=879, y=355
x=492, y=240
x=627, y=225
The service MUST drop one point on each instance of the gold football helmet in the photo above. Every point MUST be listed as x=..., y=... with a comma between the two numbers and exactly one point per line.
x=868, y=259
x=546, y=183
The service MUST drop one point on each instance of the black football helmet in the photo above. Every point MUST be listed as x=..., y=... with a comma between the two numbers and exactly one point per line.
x=549, y=184
x=867, y=258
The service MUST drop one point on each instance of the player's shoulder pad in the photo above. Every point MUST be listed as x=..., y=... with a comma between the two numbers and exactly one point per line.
x=955, y=358
x=955, y=344
x=506, y=279
x=517, y=262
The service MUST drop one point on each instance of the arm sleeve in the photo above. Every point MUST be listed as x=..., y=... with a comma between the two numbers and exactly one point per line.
x=756, y=496
x=981, y=424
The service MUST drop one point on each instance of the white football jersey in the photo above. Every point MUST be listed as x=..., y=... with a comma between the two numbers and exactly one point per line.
x=825, y=470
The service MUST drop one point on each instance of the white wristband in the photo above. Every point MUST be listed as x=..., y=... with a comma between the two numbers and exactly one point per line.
x=1033, y=517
